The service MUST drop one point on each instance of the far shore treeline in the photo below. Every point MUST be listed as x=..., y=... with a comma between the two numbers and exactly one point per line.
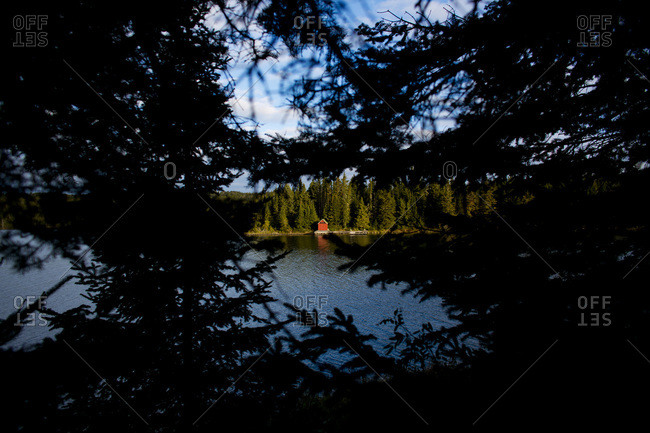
x=345, y=204
x=359, y=205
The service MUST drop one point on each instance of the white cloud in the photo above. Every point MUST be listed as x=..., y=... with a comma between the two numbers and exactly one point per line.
x=266, y=111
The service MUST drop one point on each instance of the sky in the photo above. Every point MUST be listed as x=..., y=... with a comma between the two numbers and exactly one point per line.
x=266, y=99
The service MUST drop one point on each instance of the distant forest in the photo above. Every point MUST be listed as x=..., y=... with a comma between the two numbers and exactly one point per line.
x=358, y=205
x=361, y=205
x=345, y=204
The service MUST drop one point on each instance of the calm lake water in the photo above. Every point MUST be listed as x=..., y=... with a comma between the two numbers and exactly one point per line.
x=310, y=274
x=308, y=277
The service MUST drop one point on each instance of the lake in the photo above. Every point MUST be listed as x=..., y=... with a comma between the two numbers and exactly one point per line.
x=308, y=278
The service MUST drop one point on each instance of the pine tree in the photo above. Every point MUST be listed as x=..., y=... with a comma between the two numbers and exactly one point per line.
x=385, y=212
x=345, y=193
x=329, y=208
x=447, y=199
x=362, y=216
x=291, y=204
x=439, y=202
x=312, y=216
x=304, y=206
x=488, y=200
x=402, y=210
x=472, y=203
x=370, y=197
x=283, y=221
x=413, y=217
x=318, y=193
x=266, y=224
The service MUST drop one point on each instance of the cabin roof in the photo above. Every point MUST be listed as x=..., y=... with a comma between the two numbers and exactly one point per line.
x=322, y=221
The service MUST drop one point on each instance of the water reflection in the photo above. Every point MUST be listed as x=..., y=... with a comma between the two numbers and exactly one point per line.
x=311, y=274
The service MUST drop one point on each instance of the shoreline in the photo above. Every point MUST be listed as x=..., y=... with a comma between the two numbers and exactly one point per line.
x=318, y=233
x=339, y=232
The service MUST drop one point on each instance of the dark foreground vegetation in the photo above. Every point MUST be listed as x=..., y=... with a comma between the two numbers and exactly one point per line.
x=550, y=279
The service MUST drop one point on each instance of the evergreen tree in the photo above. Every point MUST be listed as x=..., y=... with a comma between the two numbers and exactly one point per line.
x=305, y=214
x=266, y=225
x=343, y=202
x=488, y=200
x=291, y=203
x=329, y=212
x=472, y=203
x=282, y=219
x=362, y=216
x=318, y=194
x=385, y=212
x=369, y=196
x=402, y=210
x=312, y=216
x=447, y=199
x=413, y=217
x=300, y=223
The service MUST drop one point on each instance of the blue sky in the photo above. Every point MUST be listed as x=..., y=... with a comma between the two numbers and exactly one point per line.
x=269, y=103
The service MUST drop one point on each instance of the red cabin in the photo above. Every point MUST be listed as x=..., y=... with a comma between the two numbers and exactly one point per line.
x=322, y=225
